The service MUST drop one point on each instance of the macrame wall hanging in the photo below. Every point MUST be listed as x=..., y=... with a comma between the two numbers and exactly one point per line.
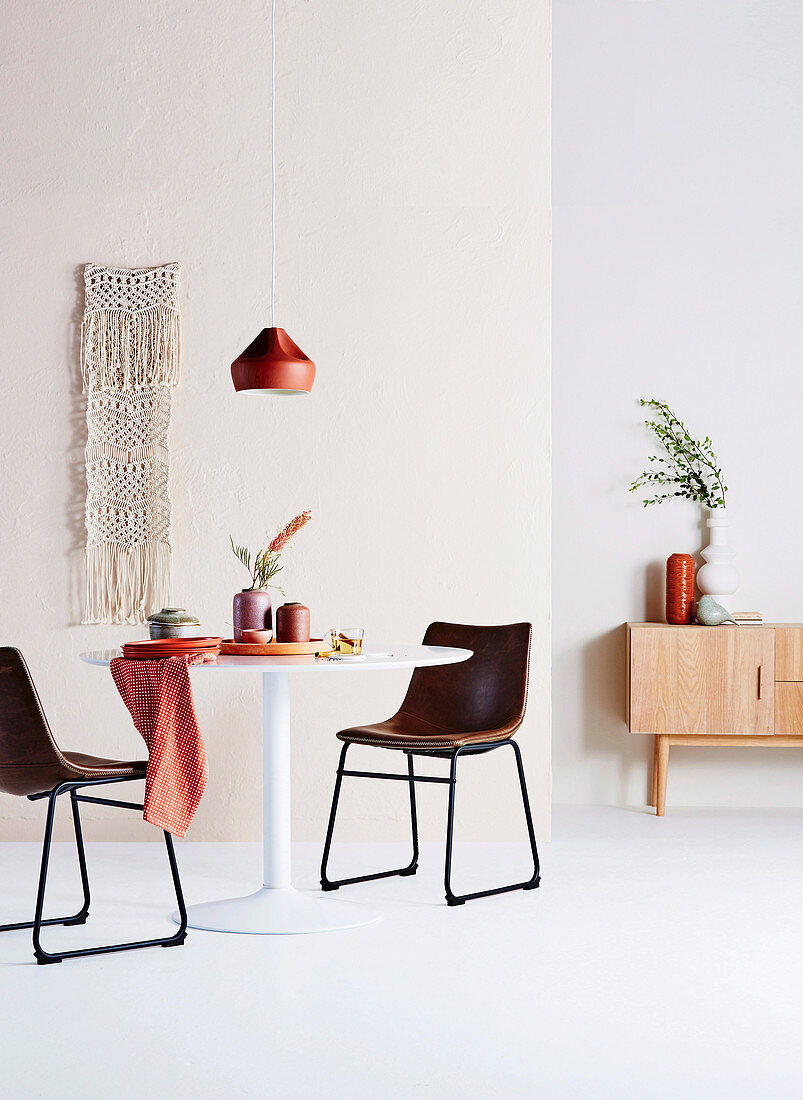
x=129, y=362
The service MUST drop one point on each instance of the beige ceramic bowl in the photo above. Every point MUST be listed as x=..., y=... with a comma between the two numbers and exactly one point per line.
x=257, y=637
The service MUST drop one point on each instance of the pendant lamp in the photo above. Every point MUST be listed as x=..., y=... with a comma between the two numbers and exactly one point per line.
x=273, y=363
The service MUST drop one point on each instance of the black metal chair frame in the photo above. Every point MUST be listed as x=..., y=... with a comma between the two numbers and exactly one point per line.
x=80, y=917
x=411, y=778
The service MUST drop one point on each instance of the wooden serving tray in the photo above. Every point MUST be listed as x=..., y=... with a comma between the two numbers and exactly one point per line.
x=230, y=648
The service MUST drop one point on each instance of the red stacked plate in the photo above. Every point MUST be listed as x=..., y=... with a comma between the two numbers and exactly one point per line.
x=158, y=649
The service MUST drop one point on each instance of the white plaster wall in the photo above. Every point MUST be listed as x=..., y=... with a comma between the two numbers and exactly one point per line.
x=414, y=243
x=678, y=154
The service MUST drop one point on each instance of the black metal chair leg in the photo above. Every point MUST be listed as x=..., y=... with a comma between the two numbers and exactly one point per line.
x=326, y=884
x=535, y=881
x=451, y=899
x=411, y=779
x=81, y=915
x=412, y=866
x=530, y=884
x=42, y=956
x=46, y=957
x=181, y=935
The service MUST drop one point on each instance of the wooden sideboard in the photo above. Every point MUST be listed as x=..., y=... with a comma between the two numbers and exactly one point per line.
x=713, y=685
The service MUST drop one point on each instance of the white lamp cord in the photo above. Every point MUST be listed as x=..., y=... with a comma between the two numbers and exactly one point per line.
x=273, y=164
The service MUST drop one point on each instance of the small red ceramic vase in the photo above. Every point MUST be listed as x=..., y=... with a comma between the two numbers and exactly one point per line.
x=292, y=623
x=680, y=589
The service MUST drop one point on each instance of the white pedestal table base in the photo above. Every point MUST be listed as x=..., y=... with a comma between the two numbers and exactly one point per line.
x=278, y=912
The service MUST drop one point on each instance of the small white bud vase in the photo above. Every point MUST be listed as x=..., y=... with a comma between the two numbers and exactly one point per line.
x=718, y=577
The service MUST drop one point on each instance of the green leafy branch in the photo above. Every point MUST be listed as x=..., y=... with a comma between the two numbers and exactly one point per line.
x=689, y=469
x=265, y=566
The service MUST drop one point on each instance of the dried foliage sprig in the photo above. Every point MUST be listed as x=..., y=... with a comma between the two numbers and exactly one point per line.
x=289, y=531
x=266, y=562
x=690, y=468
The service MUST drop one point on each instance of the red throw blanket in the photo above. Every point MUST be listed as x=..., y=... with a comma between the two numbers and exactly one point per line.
x=158, y=695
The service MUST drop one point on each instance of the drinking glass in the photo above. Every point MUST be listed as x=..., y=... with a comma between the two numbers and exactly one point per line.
x=346, y=642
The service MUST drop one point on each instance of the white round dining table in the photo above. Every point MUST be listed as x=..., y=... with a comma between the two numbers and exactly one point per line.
x=278, y=908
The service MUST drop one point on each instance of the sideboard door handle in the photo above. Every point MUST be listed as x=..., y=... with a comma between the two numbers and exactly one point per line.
x=761, y=681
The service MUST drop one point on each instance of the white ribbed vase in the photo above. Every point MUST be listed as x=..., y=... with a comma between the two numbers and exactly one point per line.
x=718, y=577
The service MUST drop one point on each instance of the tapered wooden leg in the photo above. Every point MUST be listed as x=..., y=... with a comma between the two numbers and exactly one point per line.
x=654, y=792
x=661, y=770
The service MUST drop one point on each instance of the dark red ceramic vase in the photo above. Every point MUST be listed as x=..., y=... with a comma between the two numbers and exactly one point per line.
x=292, y=623
x=252, y=611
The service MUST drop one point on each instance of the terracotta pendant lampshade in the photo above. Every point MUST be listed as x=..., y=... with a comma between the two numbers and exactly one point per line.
x=273, y=364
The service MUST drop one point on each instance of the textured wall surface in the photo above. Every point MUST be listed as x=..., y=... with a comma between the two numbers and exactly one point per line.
x=414, y=245
x=678, y=152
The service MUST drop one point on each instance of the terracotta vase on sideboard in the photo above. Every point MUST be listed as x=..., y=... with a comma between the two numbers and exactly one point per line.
x=252, y=611
x=680, y=589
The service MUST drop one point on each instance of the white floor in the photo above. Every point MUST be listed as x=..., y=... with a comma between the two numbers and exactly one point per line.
x=660, y=958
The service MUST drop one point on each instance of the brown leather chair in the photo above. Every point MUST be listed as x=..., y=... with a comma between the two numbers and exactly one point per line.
x=451, y=711
x=32, y=764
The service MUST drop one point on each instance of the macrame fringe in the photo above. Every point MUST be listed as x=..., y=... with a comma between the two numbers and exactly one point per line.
x=124, y=583
x=130, y=349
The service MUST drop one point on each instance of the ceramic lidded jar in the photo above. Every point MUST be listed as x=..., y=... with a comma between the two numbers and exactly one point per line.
x=292, y=623
x=173, y=622
x=252, y=611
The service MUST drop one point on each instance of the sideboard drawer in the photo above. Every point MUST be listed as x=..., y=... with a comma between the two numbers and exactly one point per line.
x=788, y=652
x=789, y=708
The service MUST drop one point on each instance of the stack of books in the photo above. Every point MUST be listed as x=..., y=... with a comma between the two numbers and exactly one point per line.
x=748, y=618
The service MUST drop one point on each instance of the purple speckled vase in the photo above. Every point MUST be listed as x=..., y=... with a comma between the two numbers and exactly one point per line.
x=252, y=611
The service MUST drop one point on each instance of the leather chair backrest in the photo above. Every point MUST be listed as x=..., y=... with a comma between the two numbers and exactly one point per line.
x=26, y=743
x=486, y=692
